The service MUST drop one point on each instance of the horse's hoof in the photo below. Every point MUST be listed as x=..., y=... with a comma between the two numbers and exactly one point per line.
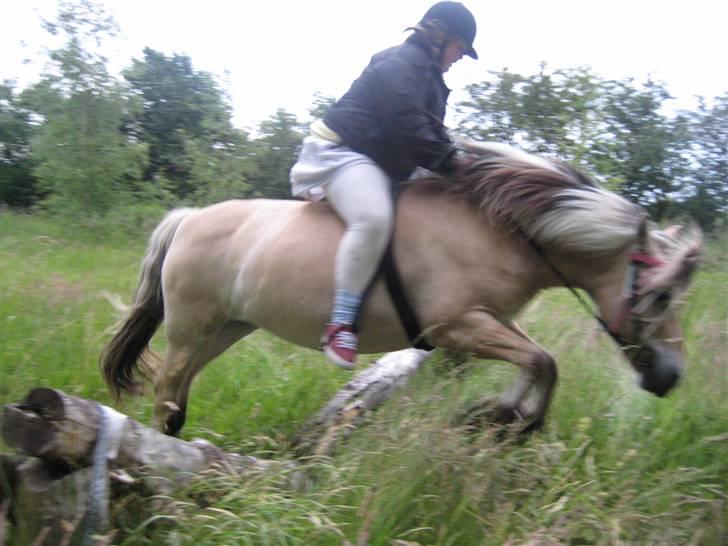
x=175, y=422
x=508, y=416
x=521, y=420
x=534, y=426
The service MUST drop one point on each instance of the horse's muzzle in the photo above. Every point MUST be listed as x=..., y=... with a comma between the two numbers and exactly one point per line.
x=663, y=371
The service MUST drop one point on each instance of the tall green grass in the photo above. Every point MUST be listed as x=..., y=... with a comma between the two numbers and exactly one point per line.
x=614, y=465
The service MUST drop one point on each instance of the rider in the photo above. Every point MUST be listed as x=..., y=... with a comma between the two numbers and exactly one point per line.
x=388, y=123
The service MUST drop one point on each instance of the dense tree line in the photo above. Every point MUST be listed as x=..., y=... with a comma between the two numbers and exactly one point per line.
x=85, y=143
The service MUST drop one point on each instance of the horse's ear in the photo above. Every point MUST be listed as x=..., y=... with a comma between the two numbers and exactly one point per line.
x=682, y=258
x=690, y=261
x=672, y=231
x=662, y=243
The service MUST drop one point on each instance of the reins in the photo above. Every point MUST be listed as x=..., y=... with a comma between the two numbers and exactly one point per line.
x=588, y=308
x=638, y=259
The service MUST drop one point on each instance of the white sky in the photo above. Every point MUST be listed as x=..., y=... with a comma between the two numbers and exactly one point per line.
x=272, y=54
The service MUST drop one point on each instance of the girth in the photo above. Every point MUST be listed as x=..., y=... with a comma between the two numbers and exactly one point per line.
x=406, y=314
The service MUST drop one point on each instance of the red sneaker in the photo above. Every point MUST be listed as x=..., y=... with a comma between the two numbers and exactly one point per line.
x=340, y=344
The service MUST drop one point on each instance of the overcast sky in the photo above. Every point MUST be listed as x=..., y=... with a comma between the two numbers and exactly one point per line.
x=272, y=54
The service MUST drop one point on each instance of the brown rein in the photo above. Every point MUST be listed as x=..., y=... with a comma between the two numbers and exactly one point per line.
x=638, y=260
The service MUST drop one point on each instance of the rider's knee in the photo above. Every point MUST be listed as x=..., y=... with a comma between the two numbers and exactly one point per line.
x=376, y=225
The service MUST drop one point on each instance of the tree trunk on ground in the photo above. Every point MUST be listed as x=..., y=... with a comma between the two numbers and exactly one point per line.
x=365, y=392
x=60, y=433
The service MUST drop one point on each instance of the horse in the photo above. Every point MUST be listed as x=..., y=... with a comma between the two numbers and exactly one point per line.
x=471, y=249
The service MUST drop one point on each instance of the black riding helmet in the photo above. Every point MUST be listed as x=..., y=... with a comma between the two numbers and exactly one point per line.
x=459, y=22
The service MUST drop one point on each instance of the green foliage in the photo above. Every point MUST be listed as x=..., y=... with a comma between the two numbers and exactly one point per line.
x=550, y=112
x=646, y=143
x=708, y=140
x=276, y=150
x=321, y=105
x=184, y=111
x=84, y=163
x=616, y=130
x=219, y=172
x=18, y=186
x=614, y=465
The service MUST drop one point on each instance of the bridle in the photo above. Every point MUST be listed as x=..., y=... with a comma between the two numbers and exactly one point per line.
x=632, y=306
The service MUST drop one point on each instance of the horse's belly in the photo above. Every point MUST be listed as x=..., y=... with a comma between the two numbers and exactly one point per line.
x=298, y=312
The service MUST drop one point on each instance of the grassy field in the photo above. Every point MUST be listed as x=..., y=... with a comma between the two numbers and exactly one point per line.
x=614, y=465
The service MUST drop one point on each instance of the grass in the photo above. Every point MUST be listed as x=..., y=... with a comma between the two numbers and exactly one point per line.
x=613, y=466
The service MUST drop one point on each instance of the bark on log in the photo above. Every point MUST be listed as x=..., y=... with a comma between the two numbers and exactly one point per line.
x=53, y=426
x=60, y=432
x=59, y=428
x=365, y=392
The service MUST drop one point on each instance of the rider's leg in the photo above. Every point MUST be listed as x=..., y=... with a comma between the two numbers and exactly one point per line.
x=361, y=196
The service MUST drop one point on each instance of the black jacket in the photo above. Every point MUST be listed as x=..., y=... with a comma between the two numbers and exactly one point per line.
x=394, y=111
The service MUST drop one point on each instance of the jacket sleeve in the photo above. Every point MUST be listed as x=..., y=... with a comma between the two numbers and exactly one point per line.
x=400, y=89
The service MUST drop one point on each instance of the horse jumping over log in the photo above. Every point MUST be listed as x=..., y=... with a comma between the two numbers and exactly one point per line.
x=471, y=251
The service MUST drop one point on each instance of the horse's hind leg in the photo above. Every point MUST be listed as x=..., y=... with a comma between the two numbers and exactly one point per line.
x=185, y=357
x=481, y=334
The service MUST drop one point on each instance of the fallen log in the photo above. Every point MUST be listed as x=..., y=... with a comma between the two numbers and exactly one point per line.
x=366, y=391
x=63, y=429
x=62, y=434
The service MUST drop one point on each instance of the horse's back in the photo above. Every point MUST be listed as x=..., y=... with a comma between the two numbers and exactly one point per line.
x=258, y=261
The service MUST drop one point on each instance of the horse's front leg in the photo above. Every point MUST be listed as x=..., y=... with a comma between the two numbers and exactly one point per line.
x=482, y=334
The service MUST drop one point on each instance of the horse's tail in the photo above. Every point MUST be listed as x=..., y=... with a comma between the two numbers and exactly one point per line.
x=128, y=351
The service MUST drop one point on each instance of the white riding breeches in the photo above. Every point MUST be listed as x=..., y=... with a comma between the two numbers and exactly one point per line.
x=360, y=193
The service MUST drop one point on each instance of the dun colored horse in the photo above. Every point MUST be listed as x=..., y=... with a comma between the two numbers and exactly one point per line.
x=471, y=251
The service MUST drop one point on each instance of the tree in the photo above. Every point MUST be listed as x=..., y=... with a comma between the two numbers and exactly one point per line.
x=275, y=153
x=554, y=112
x=491, y=112
x=321, y=105
x=18, y=185
x=645, y=144
x=84, y=163
x=613, y=129
x=180, y=104
x=707, y=201
x=219, y=172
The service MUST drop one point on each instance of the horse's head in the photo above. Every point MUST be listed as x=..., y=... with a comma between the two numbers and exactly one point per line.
x=647, y=325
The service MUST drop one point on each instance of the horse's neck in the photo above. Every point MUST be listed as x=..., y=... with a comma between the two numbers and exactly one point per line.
x=602, y=277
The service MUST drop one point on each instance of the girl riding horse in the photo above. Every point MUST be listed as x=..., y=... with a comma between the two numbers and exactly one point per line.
x=387, y=124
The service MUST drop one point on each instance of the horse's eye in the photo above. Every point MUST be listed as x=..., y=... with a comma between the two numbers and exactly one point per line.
x=663, y=298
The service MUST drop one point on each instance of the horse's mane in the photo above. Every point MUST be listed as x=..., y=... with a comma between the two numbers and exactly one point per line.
x=550, y=201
